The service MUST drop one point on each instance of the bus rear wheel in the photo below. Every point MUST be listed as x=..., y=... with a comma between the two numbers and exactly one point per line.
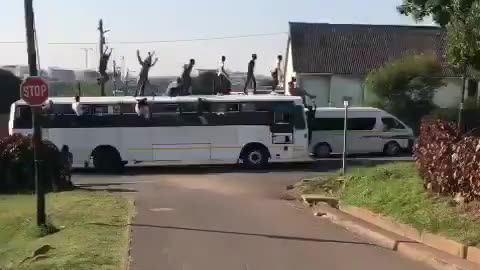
x=322, y=150
x=255, y=157
x=107, y=160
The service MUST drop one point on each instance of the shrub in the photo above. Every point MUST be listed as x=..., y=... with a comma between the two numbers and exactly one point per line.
x=17, y=165
x=448, y=161
x=405, y=87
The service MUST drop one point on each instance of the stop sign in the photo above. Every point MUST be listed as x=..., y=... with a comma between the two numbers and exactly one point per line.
x=34, y=90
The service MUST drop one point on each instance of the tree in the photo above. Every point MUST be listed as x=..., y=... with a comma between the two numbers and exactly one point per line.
x=463, y=47
x=440, y=10
x=10, y=90
x=405, y=87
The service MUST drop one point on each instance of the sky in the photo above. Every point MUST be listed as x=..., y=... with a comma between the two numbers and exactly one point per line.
x=76, y=21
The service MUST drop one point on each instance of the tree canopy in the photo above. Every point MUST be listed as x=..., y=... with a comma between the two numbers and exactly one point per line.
x=440, y=10
x=405, y=87
x=463, y=31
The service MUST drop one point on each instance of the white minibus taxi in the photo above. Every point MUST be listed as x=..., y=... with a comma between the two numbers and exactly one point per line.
x=370, y=130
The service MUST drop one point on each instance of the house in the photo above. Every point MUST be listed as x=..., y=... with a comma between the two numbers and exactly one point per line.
x=332, y=61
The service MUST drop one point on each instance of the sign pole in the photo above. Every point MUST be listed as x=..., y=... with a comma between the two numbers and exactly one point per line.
x=32, y=63
x=345, y=130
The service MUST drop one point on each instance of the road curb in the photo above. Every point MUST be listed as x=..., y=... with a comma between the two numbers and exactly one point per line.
x=432, y=240
x=128, y=258
x=412, y=249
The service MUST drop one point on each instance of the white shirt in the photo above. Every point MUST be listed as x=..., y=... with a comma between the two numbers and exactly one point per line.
x=77, y=108
x=173, y=84
x=221, y=69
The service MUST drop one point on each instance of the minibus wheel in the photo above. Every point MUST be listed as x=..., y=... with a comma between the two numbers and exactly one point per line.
x=391, y=149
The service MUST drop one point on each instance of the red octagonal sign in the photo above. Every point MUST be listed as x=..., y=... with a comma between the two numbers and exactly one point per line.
x=34, y=90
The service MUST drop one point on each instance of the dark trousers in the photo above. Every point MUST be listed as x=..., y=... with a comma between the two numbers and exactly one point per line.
x=274, y=84
x=187, y=82
x=250, y=78
x=142, y=83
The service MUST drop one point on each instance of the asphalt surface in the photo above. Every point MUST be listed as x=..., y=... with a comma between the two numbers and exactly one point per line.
x=227, y=218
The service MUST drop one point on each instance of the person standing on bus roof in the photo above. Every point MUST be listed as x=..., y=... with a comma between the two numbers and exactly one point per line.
x=223, y=77
x=143, y=76
x=251, y=75
x=277, y=75
x=186, y=78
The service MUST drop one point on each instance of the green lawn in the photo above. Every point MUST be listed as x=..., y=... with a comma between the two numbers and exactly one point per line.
x=396, y=190
x=92, y=231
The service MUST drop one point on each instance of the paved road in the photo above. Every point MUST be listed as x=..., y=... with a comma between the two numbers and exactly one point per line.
x=222, y=218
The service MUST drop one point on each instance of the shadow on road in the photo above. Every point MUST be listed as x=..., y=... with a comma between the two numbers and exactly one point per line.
x=282, y=237
x=318, y=166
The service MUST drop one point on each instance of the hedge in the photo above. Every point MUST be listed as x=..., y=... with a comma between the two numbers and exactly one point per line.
x=447, y=160
x=17, y=166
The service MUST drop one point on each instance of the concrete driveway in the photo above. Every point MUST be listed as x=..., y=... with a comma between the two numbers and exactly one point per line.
x=222, y=218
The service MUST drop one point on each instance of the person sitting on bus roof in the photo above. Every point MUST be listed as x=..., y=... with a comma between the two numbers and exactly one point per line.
x=142, y=108
x=174, y=88
x=298, y=91
x=77, y=107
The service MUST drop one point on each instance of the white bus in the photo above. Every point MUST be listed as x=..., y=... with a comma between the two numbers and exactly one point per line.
x=370, y=130
x=251, y=130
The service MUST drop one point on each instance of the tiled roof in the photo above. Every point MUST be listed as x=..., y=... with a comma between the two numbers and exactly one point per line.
x=357, y=49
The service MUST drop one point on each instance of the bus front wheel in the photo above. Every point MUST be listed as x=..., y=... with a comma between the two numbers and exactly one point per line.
x=107, y=160
x=255, y=157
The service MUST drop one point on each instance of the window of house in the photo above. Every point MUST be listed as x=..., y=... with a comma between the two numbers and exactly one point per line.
x=472, y=88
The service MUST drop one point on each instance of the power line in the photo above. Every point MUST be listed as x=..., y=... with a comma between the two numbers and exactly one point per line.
x=171, y=41
x=12, y=42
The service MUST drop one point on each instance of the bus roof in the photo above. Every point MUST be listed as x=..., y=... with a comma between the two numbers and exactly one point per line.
x=354, y=109
x=160, y=99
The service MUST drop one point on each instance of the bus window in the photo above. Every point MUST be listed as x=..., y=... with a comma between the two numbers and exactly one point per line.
x=100, y=110
x=299, y=117
x=218, y=107
x=62, y=109
x=190, y=107
x=23, y=118
x=162, y=108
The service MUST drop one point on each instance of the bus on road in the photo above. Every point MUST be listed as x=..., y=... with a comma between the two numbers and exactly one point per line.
x=230, y=129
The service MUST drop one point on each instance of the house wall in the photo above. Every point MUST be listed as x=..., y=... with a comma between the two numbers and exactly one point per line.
x=449, y=95
x=331, y=90
x=318, y=85
x=346, y=86
x=288, y=67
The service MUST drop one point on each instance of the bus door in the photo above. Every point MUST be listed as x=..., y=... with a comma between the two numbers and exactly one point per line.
x=282, y=130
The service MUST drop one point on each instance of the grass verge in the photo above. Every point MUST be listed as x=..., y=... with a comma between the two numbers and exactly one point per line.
x=397, y=191
x=92, y=231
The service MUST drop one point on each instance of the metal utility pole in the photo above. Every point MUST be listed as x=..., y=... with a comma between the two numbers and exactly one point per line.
x=101, y=45
x=37, y=136
x=345, y=129
x=114, y=78
x=86, y=50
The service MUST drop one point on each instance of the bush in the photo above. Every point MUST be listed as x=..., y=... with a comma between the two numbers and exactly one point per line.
x=448, y=161
x=17, y=165
x=405, y=87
